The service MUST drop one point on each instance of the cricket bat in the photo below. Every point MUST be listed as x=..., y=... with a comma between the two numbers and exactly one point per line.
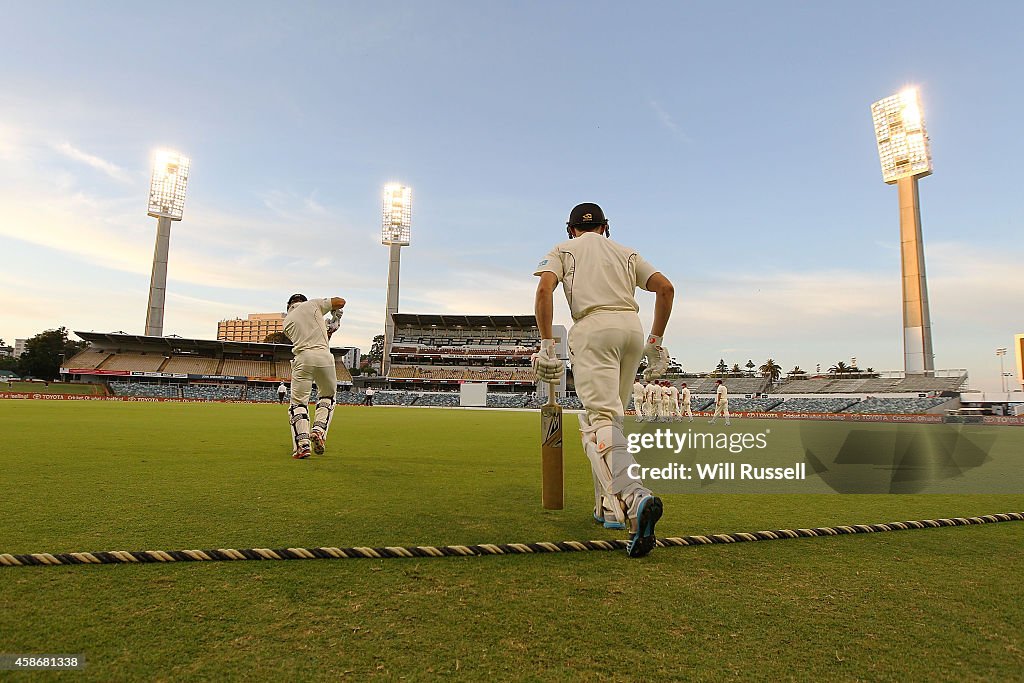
x=551, y=452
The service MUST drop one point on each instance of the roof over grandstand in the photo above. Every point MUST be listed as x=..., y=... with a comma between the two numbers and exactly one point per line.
x=523, y=322
x=175, y=343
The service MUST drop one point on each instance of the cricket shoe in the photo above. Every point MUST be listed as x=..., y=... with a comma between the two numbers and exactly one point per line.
x=643, y=540
x=319, y=442
x=302, y=453
x=606, y=518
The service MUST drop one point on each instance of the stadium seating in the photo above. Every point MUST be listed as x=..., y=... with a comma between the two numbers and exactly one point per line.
x=139, y=362
x=735, y=385
x=495, y=400
x=262, y=393
x=445, y=400
x=284, y=370
x=815, y=405
x=87, y=358
x=143, y=389
x=895, y=406
x=247, y=368
x=212, y=392
x=755, y=405
x=192, y=365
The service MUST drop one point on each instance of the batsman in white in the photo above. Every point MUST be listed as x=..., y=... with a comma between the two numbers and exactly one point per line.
x=310, y=334
x=638, y=400
x=599, y=278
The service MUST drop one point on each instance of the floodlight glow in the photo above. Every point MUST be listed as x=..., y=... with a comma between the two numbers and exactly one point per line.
x=397, y=215
x=167, y=185
x=903, y=145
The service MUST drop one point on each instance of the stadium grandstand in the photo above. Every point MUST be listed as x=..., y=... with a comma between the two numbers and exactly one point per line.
x=178, y=368
x=440, y=352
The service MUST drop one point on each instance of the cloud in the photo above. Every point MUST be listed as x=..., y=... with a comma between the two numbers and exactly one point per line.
x=668, y=122
x=102, y=165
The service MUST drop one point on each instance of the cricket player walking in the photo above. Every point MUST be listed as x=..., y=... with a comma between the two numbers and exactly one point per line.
x=599, y=278
x=310, y=333
x=672, y=401
x=721, y=403
x=686, y=410
x=638, y=400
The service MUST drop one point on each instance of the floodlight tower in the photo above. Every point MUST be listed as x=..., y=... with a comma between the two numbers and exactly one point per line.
x=905, y=152
x=166, y=204
x=395, y=233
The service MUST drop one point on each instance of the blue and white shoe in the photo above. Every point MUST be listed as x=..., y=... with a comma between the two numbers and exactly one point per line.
x=608, y=525
x=647, y=515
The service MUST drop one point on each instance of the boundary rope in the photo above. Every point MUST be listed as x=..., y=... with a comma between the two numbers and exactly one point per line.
x=232, y=554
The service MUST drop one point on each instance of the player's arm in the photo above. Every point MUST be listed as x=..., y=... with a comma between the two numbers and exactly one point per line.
x=545, y=365
x=334, y=322
x=543, y=304
x=655, y=353
x=664, y=293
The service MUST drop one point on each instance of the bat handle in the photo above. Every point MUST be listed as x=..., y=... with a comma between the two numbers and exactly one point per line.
x=551, y=393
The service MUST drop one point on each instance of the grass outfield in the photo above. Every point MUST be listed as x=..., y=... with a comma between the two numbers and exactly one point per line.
x=919, y=605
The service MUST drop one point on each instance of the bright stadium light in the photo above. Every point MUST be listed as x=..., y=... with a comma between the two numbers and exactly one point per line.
x=905, y=153
x=166, y=203
x=903, y=145
x=397, y=215
x=167, y=185
x=396, y=230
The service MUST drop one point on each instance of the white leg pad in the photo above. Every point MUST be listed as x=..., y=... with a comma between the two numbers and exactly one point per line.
x=298, y=417
x=324, y=413
x=609, y=464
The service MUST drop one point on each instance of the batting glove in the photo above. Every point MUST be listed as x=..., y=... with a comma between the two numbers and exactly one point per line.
x=545, y=365
x=334, y=322
x=657, y=358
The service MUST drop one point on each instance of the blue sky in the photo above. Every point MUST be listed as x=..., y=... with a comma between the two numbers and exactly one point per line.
x=731, y=144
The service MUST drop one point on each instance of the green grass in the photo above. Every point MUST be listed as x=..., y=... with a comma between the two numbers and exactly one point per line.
x=920, y=605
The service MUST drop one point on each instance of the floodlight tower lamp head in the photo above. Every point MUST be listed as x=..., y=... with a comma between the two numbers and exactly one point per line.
x=904, y=148
x=396, y=224
x=167, y=185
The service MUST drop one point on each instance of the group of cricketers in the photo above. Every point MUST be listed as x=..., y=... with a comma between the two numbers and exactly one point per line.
x=661, y=401
x=599, y=278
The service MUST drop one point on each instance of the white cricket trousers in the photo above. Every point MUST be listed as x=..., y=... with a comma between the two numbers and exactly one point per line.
x=722, y=408
x=313, y=366
x=605, y=348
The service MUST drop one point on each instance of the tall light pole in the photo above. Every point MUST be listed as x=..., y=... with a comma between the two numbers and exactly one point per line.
x=166, y=204
x=1001, y=353
x=396, y=230
x=905, y=152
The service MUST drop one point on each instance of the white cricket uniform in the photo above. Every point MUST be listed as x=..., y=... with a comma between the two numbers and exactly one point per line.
x=672, y=401
x=638, y=399
x=721, y=402
x=648, y=404
x=686, y=410
x=599, y=278
x=306, y=327
x=657, y=406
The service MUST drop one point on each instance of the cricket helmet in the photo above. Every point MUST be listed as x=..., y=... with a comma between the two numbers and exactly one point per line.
x=296, y=299
x=586, y=216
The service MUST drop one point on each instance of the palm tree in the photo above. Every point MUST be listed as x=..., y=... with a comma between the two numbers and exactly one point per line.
x=796, y=371
x=721, y=368
x=750, y=368
x=839, y=368
x=771, y=370
x=736, y=369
